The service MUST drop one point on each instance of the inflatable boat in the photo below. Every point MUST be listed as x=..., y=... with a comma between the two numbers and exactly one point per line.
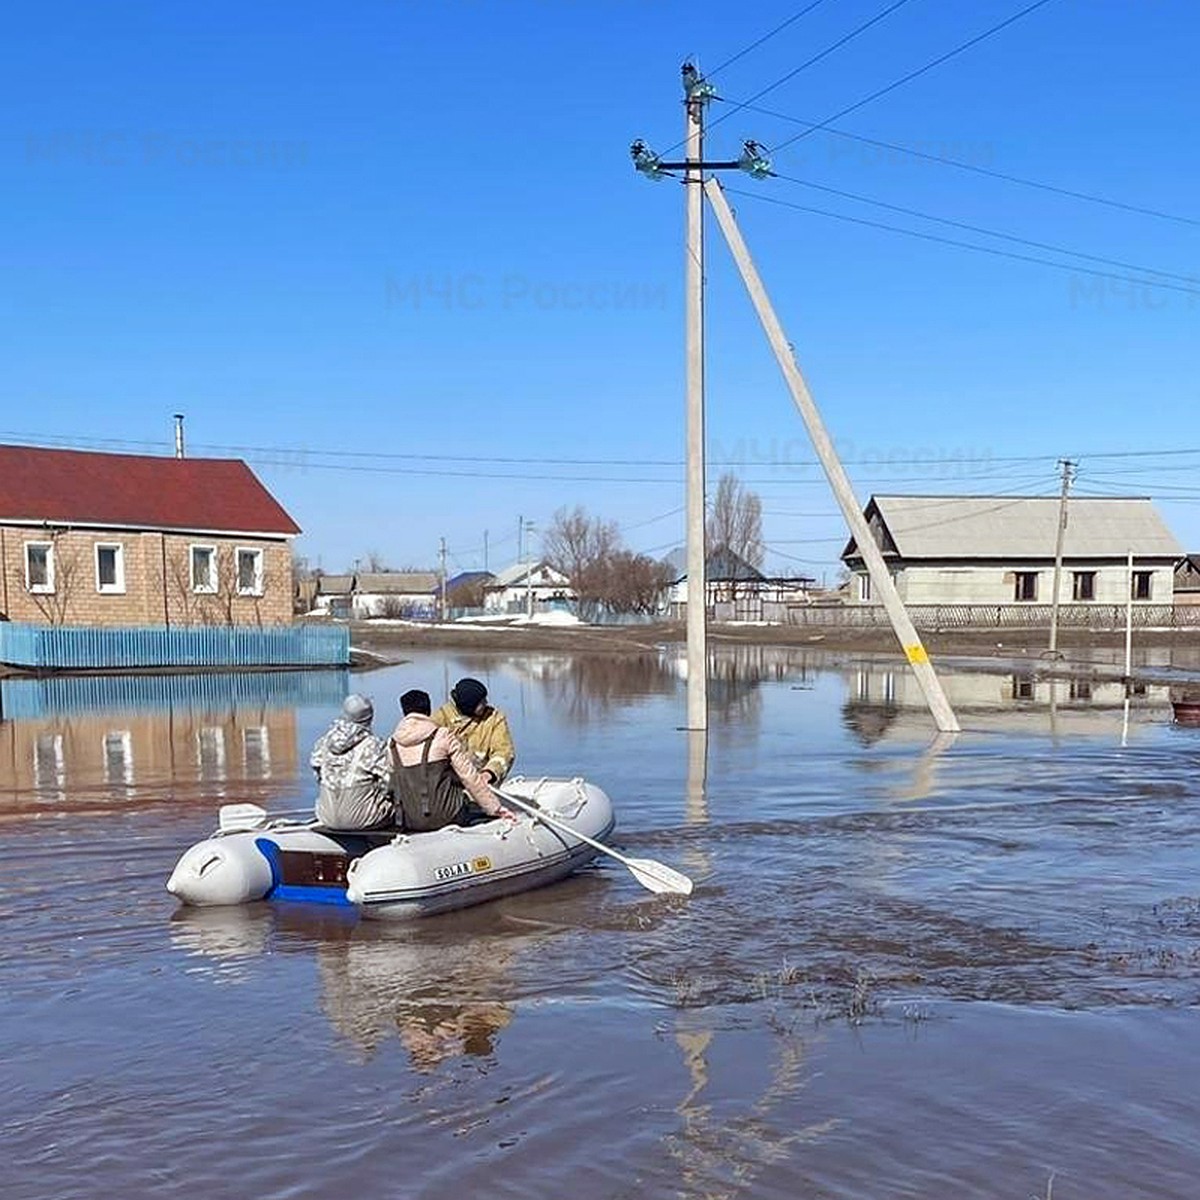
x=389, y=873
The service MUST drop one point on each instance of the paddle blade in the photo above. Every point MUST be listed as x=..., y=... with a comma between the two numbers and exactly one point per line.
x=657, y=877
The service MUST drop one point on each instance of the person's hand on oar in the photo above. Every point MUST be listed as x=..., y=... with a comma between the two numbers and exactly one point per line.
x=655, y=876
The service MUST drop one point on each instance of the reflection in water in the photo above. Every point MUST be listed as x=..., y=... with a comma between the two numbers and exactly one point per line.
x=442, y=995
x=882, y=703
x=74, y=741
x=720, y=1151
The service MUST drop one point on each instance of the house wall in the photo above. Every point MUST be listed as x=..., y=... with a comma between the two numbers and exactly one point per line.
x=157, y=580
x=995, y=584
x=393, y=604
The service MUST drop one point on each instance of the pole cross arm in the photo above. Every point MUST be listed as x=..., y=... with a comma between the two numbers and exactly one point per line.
x=753, y=161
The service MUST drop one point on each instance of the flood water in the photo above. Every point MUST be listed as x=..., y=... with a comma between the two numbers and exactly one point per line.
x=912, y=966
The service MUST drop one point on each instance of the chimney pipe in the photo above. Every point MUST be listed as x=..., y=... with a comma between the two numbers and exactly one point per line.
x=179, y=435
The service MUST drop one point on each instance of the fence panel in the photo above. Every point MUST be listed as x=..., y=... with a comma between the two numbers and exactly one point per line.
x=57, y=647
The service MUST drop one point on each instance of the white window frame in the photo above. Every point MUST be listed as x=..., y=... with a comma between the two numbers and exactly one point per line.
x=257, y=588
x=864, y=588
x=211, y=588
x=41, y=589
x=117, y=588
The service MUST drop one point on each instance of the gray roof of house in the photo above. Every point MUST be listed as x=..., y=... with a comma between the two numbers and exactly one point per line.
x=1022, y=527
x=721, y=566
x=335, y=585
x=516, y=573
x=394, y=583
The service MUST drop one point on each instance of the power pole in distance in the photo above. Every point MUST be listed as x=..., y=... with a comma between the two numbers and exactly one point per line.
x=698, y=92
x=1068, y=468
x=442, y=574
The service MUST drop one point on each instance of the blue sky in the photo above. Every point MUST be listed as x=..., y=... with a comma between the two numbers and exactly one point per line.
x=397, y=252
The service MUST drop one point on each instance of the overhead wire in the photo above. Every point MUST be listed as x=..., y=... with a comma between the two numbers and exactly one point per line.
x=816, y=58
x=965, y=225
x=945, y=241
x=945, y=160
x=766, y=37
x=911, y=75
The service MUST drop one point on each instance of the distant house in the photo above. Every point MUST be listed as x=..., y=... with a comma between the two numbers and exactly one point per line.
x=1187, y=580
x=92, y=539
x=736, y=590
x=334, y=594
x=411, y=595
x=524, y=585
x=1000, y=550
x=466, y=589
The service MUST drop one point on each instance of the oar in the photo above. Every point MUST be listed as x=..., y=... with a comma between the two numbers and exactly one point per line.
x=650, y=874
x=236, y=818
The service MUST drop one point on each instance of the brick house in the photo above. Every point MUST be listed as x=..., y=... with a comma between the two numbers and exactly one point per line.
x=90, y=539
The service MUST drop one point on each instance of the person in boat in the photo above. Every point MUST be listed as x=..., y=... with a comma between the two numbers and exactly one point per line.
x=481, y=727
x=354, y=771
x=436, y=778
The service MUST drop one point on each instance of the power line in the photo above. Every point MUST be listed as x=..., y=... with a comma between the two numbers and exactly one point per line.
x=816, y=58
x=945, y=241
x=920, y=460
x=1008, y=237
x=766, y=37
x=929, y=66
x=1091, y=197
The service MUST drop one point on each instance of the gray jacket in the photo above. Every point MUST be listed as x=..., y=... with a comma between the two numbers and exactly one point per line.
x=354, y=771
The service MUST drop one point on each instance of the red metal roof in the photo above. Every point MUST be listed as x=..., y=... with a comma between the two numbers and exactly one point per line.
x=82, y=487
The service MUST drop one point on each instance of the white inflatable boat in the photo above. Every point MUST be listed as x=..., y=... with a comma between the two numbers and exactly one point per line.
x=394, y=874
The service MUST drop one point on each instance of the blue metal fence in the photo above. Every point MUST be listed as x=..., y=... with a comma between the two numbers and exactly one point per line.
x=57, y=647
x=227, y=691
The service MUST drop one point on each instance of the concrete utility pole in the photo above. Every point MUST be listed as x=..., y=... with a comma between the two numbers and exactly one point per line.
x=528, y=571
x=442, y=575
x=881, y=579
x=698, y=92
x=179, y=435
x=1068, y=468
x=485, y=550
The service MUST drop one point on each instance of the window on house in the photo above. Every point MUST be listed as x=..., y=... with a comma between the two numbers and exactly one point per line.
x=1081, y=689
x=1025, y=587
x=864, y=588
x=39, y=566
x=1141, y=584
x=1085, y=585
x=110, y=567
x=1022, y=687
x=204, y=568
x=250, y=572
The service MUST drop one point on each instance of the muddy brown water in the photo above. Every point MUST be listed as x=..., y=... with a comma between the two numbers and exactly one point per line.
x=912, y=967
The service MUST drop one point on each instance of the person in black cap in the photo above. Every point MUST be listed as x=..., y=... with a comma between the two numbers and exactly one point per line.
x=435, y=773
x=482, y=728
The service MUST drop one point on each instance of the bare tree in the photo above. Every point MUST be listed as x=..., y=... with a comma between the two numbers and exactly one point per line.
x=580, y=546
x=67, y=572
x=735, y=523
x=576, y=541
x=634, y=583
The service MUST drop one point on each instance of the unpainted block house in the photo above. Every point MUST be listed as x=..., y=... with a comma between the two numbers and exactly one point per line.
x=1000, y=550
x=92, y=539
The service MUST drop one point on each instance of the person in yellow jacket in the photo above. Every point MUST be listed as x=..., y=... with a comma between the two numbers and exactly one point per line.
x=480, y=727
